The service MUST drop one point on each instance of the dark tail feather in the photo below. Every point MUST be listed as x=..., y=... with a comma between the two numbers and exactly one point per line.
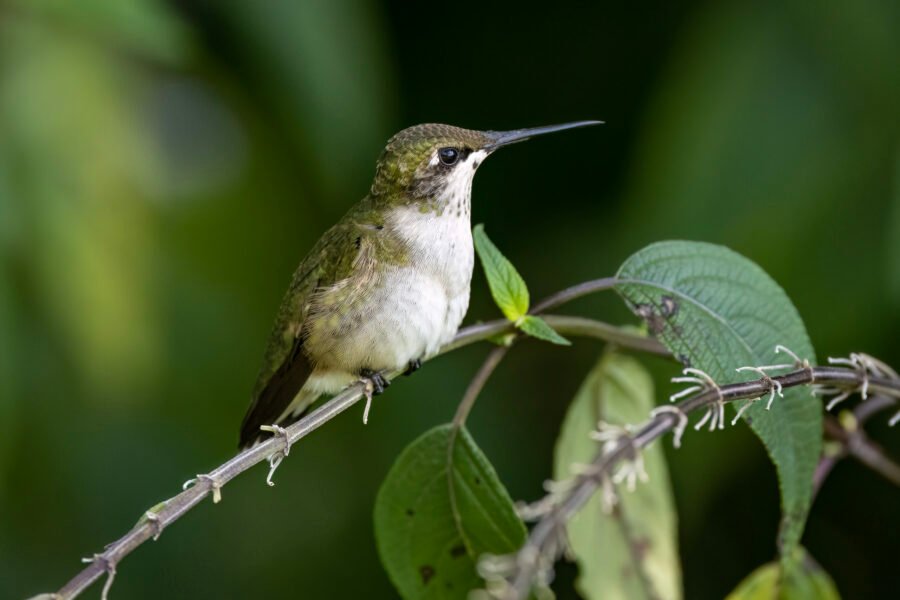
x=275, y=398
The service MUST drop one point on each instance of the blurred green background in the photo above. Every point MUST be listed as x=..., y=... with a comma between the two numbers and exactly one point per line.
x=164, y=166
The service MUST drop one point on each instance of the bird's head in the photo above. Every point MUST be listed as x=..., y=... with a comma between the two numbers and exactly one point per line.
x=434, y=162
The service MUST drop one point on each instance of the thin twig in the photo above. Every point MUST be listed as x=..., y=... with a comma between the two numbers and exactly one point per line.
x=544, y=535
x=866, y=410
x=211, y=483
x=854, y=442
x=176, y=507
x=862, y=448
x=572, y=293
x=477, y=384
x=623, y=337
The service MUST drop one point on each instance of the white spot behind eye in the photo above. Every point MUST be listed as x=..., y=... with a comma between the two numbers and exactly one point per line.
x=477, y=156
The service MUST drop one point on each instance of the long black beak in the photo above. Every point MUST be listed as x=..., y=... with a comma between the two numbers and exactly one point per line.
x=504, y=138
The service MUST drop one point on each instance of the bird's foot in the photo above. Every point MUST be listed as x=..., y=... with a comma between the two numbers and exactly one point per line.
x=379, y=383
x=279, y=455
x=413, y=366
x=375, y=384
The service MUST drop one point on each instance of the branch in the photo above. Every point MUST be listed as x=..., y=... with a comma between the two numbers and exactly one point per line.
x=846, y=430
x=477, y=384
x=623, y=338
x=534, y=561
x=572, y=293
x=574, y=326
x=276, y=447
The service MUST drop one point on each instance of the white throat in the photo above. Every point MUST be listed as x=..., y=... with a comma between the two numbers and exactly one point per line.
x=456, y=193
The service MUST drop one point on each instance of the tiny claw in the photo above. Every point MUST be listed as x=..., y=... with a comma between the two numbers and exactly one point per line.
x=413, y=366
x=279, y=455
x=379, y=383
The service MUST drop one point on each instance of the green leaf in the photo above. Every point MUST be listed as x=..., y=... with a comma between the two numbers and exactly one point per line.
x=717, y=311
x=433, y=521
x=507, y=286
x=632, y=551
x=807, y=582
x=537, y=327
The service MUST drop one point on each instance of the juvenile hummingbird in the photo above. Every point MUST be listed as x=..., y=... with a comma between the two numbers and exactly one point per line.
x=387, y=285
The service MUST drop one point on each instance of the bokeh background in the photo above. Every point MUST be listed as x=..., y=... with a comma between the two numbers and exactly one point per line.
x=165, y=165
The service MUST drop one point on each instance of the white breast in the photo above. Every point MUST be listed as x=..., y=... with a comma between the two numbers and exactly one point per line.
x=430, y=295
x=434, y=287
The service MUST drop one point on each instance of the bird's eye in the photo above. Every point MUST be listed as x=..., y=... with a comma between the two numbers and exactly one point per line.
x=448, y=156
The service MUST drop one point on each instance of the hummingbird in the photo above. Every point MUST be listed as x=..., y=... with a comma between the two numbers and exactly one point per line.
x=388, y=285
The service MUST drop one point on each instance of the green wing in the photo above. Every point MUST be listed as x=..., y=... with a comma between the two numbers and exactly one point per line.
x=285, y=365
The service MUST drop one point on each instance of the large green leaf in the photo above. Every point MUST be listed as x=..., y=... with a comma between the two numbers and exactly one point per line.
x=808, y=582
x=433, y=519
x=630, y=552
x=716, y=311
